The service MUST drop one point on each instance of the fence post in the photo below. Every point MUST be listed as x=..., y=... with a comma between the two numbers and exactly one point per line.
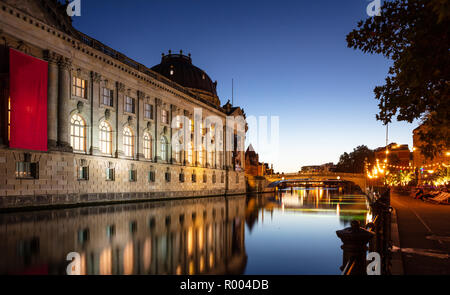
x=354, y=245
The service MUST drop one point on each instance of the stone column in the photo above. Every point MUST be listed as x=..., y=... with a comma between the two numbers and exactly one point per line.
x=52, y=99
x=120, y=88
x=95, y=113
x=158, y=104
x=65, y=66
x=355, y=241
x=173, y=110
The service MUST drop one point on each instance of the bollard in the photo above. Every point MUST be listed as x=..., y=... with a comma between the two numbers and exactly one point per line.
x=354, y=245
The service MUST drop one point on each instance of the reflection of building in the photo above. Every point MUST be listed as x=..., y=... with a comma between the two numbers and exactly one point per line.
x=102, y=124
x=193, y=236
x=252, y=165
x=397, y=154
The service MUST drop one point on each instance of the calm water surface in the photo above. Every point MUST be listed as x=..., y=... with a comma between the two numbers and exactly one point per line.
x=291, y=232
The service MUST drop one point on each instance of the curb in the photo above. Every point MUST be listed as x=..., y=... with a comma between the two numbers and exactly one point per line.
x=396, y=261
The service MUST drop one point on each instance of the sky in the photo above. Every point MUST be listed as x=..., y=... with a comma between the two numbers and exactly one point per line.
x=288, y=59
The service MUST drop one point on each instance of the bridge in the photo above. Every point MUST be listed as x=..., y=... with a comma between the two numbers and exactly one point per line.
x=319, y=177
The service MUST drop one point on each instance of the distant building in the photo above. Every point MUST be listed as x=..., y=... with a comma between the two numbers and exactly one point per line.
x=328, y=167
x=253, y=166
x=397, y=154
x=80, y=121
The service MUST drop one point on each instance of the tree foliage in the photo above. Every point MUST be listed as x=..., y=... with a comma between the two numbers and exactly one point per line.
x=354, y=162
x=415, y=35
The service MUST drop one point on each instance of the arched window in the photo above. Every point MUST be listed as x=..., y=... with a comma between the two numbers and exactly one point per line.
x=78, y=133
x=128, y=142
x=147, y=146
x=163, y=148
x=189, y=153
x=105, y=138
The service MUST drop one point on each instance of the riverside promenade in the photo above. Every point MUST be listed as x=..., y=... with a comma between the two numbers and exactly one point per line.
x=424, y=232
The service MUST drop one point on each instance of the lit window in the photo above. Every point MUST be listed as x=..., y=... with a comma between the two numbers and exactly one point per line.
x=163, y=148
x=201, y=156
x=9, y=118
x=190, y=152
x=27, y=169
x=164, y=117
x=105, y=138
x=78, y=133
x=128, y=142
x=191, y=123
x=178, y=122
x=147, y=146
x=130, y=105
x=79, y=87
x=107, y=97
x=148, y=111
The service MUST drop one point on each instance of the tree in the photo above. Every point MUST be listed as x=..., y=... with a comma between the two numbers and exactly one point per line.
x=415, y=34
x=354, y=162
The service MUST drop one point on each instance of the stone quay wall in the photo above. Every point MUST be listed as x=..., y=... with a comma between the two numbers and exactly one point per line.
x=58, y=184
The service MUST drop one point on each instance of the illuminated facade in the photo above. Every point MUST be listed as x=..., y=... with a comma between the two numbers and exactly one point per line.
x=109, y=114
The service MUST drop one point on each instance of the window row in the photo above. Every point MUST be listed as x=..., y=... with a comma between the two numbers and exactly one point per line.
x=83, y=174
x=78, y=139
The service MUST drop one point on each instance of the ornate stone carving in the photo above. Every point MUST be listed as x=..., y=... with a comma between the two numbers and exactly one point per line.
x=107, y=114
x=65, y=63
x=130, y=119
x=21, y=46
x=120, y=87
x=51, y=57
x=96, y=77
x=149, y=125
x=80, y=106
x=158, y=102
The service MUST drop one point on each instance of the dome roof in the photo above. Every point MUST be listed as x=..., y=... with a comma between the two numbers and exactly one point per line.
x=179, y=68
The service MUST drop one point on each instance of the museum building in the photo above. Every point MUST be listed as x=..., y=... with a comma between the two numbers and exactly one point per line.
x=83, y=123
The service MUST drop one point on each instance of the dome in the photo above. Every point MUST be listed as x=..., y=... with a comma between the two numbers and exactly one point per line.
x=179, y=68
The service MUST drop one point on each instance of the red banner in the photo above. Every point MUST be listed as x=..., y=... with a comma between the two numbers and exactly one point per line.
x=28, y=92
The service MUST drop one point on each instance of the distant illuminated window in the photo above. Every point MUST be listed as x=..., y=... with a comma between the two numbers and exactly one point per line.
x=79, y=87
x=164, y=117
x=201, y=156
x=147, y=146
x=191, y=124
x=128, y=142
x=189, y=153
x=78, y=133
x=105, y=138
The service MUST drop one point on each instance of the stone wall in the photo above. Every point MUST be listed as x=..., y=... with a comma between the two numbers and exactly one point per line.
x=57, y=182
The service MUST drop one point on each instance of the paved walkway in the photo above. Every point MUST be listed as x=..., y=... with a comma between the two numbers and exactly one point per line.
x=424, y=230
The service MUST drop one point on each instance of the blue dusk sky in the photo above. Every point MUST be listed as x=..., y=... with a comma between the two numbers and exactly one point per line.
x=287, y=58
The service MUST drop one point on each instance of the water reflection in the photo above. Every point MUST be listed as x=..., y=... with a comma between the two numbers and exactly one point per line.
x=270, y=234
x=195, y=236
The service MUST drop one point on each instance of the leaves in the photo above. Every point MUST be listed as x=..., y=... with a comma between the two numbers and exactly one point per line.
x=415, y=34
x=354, y=162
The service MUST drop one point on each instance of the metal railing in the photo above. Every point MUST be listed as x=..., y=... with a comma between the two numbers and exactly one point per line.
x=375, y=236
